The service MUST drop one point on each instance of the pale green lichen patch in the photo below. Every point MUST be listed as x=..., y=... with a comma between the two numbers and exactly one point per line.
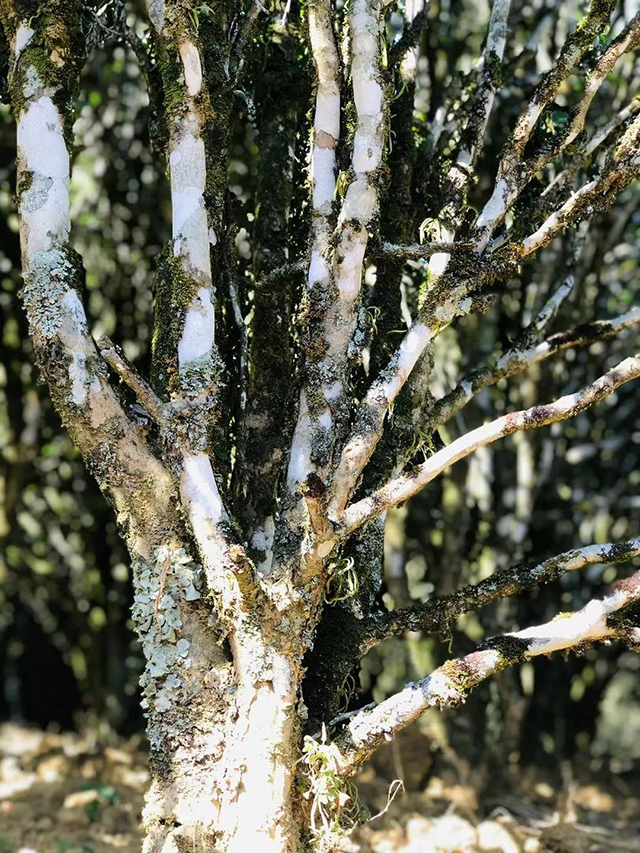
x=200, y=376
x=47, y=280
x=160, y=589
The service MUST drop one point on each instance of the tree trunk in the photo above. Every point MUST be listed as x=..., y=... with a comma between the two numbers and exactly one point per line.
x=224, y=756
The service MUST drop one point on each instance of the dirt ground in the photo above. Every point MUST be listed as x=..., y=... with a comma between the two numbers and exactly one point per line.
x=62, y=793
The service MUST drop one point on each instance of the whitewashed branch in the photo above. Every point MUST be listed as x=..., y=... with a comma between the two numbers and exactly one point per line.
x=358, y=212
x=230, y=580
x=138, y=485
x=326, y=135
x=370, y=421
x=399, y=490
x=449, y=685
x=509, y=178
x=518, y=359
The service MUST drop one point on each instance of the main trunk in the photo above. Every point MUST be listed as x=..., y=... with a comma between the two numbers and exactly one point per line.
x=224, y=750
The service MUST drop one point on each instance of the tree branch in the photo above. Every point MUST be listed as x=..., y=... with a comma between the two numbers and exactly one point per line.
x=518, y=359
x=189, y=329
x=407, y=485
x=370, y=420
x=628, y=40
x=438, y=614
x=589, y=146
x=443, y=303
x=410, y=35
x=613, y=617
x=418, y=251
x=326, y=135
x=623, y=165
x=510, y=179
x=147, y=397
x=137, y=484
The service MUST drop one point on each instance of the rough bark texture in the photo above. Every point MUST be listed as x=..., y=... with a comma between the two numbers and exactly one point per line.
x=257, y=590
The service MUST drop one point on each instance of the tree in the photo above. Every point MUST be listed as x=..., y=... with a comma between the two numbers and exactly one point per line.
x=252, y=475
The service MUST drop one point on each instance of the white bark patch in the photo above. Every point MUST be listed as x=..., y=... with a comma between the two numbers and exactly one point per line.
x=41, y=139
x=327, y=116
x=72, y=330
x=409, y=352
x=262, y=540
x=42, y=151
x=496, y=206
x=318, y=269
x=333, y=391
x=197, y=336
x=190, y=229
x=24, y=35
x=300, y=460
x=200, y=492
x=325, y=420
x=367, y=92
x=367, y=154
x=155, y=9
x=323, y=177
x=350, y=277
x=361, y=202
x=78, y=376
x=45, y=212
x=192, y=68
x=192, y=238
x=590, y=623
x=251, y=810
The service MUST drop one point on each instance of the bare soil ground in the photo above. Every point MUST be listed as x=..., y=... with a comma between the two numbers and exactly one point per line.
x=63, y=793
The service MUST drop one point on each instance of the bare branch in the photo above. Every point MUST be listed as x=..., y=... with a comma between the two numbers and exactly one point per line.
x=448, y=686
x=509, y=180
x=518, y=359
x=116, y=359
x=418, y=251
x=438, y=614
x=401, y=489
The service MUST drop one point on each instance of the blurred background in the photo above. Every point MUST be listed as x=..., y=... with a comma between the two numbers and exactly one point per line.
x=69, y=660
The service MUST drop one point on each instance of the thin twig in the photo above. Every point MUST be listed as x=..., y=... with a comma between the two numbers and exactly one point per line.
x=116, y=359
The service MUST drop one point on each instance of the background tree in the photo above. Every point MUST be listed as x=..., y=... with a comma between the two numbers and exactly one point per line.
x=321, y=402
